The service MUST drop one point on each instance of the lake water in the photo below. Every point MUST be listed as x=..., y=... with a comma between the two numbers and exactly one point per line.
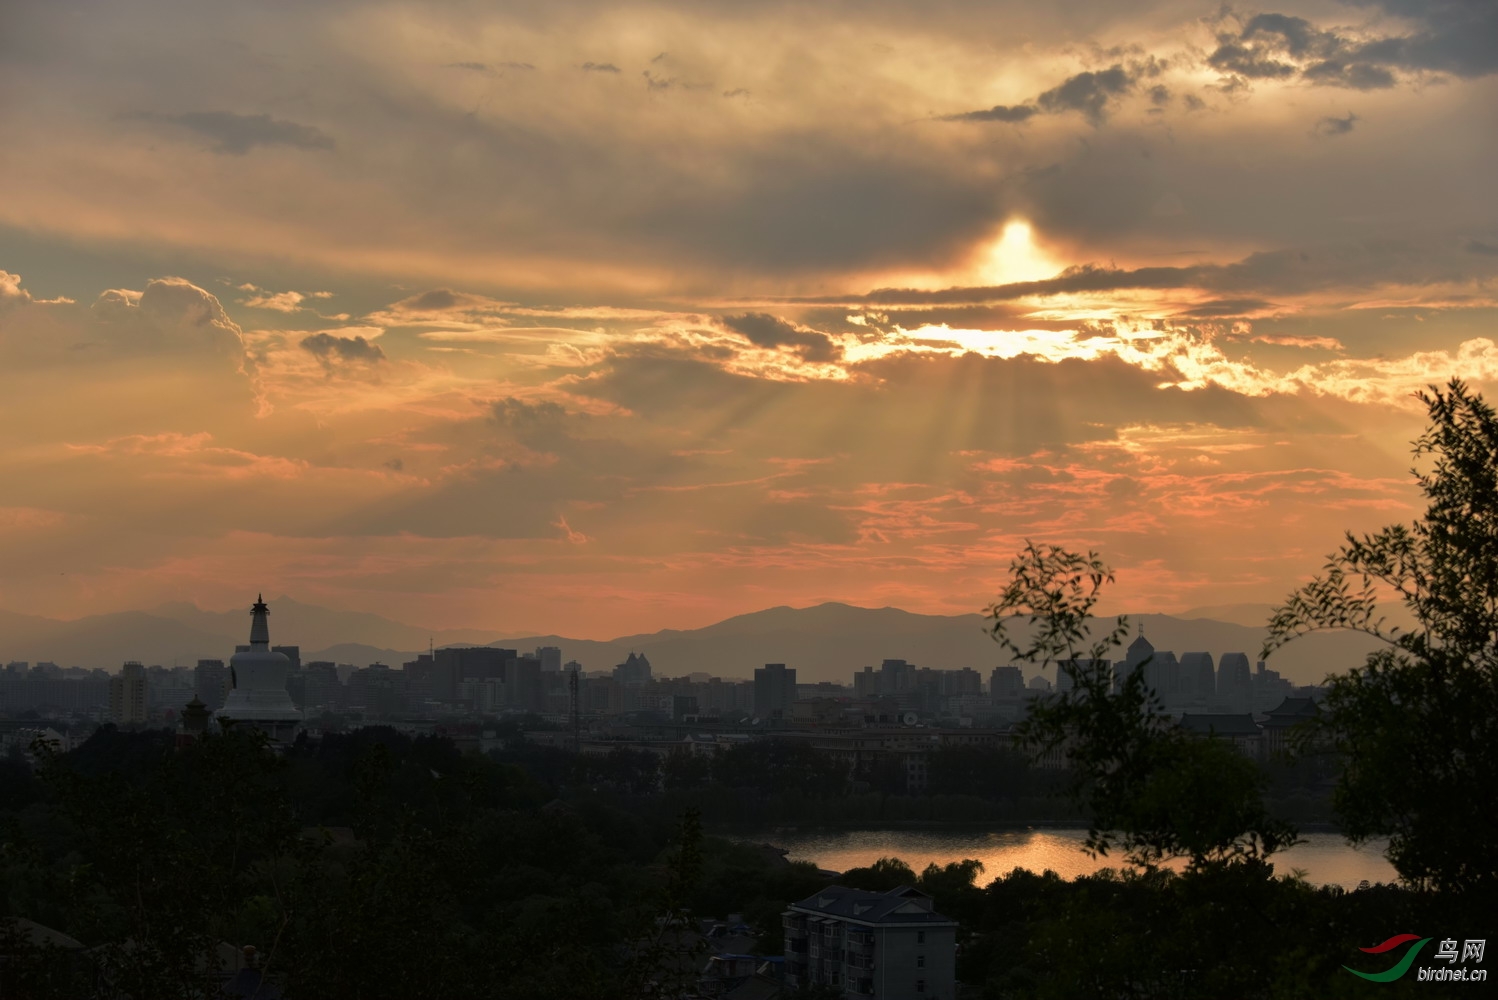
x=1325, y=858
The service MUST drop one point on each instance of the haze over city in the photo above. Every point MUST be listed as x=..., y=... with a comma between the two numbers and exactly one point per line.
x=560, y=318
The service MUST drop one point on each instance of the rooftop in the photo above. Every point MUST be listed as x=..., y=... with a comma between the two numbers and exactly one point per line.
x=1295, y=708
x=1208, y=723
x=900, y=905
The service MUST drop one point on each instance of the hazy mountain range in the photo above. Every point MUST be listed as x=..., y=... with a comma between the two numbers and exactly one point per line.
x=826, y=642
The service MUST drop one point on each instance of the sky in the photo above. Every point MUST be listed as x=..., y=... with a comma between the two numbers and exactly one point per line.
x=600, y=318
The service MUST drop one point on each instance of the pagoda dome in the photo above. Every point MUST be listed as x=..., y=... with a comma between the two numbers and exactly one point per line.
x=257, y=673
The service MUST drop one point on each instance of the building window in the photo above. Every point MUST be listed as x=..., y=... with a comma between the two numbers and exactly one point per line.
x=920, y=937
x=920, y=961
x=920, y=986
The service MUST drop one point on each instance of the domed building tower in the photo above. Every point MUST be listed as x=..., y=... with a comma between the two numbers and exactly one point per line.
x=257, y=678
x=1140, y=652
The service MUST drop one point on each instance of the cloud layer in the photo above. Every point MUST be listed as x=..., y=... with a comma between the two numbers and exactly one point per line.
x=607, y=318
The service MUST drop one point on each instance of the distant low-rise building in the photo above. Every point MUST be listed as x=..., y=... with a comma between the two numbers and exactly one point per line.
x=1239, y=729
x=1287, y=721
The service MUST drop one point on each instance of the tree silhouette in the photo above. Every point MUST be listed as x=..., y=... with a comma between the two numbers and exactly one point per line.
x=1416, y=726
x=1150, y=787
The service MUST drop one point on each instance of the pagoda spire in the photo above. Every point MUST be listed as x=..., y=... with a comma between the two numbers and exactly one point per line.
x=259, y=623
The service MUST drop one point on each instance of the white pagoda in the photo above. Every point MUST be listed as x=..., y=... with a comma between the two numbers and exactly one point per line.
x=257, y=684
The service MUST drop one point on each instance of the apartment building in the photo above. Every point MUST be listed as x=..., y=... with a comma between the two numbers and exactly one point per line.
x=885, y=945
x=127, y=695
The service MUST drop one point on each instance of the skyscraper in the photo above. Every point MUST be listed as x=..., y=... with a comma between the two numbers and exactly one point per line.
x=1234, y=682
x=1006, y=683
x=774, y=690
x=1198, y=678
x=1081, y=667
x=634, y=670
x=127, y=695
x=210, y=680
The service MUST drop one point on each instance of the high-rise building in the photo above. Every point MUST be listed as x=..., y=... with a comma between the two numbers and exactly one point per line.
x=962, y=681
x=321, y=689
x=1006, y=683
x=484, y=695
x=377, y=690
x=550, y=657
x=1269, y=688
x=774, y=690
x=1198, y=678
x=1234, y=683
x=1140, y=652
x=1162, y=674
x=127, y=695
x=523, y=683
x=896, y=677
x=210, y=681
x=634, y=670
x=455, y=664
x=1068, y=671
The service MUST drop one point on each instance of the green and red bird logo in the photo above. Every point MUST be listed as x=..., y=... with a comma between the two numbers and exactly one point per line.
x=1403, y=966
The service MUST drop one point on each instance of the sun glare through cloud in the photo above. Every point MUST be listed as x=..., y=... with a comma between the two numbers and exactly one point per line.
x=1014, y=256
x=604, y=273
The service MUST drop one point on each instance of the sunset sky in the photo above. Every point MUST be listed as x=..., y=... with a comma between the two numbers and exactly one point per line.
x=600, y=318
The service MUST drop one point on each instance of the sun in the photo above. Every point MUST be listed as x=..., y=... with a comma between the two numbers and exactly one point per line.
x=1009, y=254
x=1014, y=256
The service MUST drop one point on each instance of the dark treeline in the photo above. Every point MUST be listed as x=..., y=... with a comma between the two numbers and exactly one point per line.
x=374, y=865
x=364, y=865
x=771, y=783
x=765, y=784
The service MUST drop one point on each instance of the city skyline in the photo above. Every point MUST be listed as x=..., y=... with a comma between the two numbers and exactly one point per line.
x=824, y=642
x=598, y=321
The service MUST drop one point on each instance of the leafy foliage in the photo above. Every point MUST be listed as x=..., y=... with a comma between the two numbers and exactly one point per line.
x=881, y=876
x=1224, y=931
x=1150, y=788
x=1417, y=724
x=1055, y=590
